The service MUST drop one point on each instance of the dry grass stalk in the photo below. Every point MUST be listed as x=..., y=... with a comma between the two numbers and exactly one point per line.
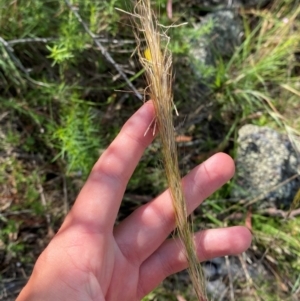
x=157, y=62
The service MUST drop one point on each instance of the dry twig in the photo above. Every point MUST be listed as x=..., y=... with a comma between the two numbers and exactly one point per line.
x=105, y=53
x=11, y=56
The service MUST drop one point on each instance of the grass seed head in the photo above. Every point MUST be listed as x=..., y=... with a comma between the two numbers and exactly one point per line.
x=156, y=59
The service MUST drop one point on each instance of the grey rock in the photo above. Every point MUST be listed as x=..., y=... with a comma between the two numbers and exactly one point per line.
x=253, y=3
x=217, y=267
x=265, y=159
x=233, y=3
x=224, y=34
x=217, y=270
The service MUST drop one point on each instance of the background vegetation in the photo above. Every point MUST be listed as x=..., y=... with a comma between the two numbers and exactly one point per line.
x=62, y=101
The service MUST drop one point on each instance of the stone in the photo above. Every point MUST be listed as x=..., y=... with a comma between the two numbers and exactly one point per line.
x=217, y=270
x=232, y=3
x=254, y=3
x=265, y=159
x=223, y=31
x=224, y=35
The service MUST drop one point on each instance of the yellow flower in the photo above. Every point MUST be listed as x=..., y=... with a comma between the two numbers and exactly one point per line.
x=147, y=54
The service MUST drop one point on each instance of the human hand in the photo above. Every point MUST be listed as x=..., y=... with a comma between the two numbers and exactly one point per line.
x=90, y=259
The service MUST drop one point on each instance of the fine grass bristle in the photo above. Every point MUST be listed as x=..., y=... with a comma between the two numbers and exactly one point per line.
x=156, y=59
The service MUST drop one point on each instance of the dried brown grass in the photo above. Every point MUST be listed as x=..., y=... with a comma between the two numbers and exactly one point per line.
x=156, y=59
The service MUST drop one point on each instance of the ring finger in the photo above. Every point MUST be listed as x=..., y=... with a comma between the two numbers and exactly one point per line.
x=146, y=229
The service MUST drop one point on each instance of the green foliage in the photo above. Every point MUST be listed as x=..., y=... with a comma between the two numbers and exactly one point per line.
x=262, y=64
x=183, y=37
x=60, y=53
x=9, y=73
x=34, y=18
x=78, y=136
x=281, y=240
x=8, y=236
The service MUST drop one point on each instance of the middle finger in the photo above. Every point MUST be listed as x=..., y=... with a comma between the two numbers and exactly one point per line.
x=144, y=230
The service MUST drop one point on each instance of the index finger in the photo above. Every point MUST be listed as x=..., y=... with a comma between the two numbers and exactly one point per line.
x=99, y=200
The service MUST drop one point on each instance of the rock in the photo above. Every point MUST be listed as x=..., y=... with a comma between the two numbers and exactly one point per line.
x=265, y=158
x=217, y=271
x=224, y=33
x=233, y=3
x=254, y=3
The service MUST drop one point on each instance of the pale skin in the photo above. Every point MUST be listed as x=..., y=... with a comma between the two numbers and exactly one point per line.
x=90, y=259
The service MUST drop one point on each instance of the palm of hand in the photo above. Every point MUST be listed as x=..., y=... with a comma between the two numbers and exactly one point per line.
x=90, y=259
